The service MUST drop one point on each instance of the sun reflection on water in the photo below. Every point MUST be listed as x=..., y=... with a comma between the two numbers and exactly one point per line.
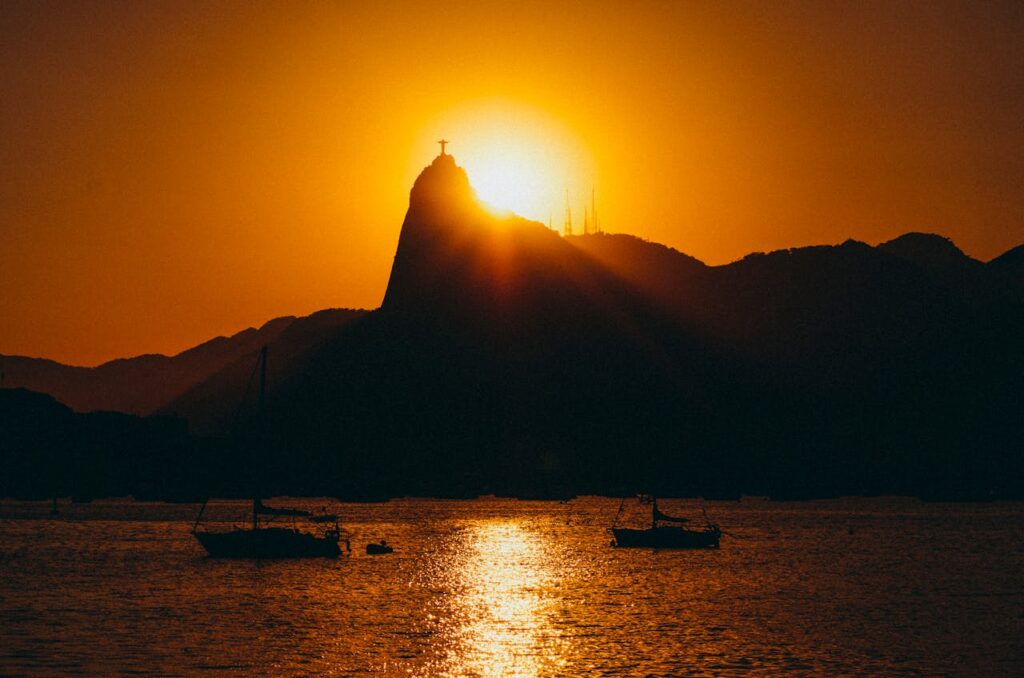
x=502, y=604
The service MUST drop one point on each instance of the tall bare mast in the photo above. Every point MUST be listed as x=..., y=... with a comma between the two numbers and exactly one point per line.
x=567, y=229
x=262, y=405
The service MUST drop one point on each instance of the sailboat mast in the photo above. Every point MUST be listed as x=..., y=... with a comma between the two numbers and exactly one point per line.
x=263, y=380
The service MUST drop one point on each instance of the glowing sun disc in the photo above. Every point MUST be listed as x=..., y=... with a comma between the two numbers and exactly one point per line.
x=511, y=177
x=517, y=159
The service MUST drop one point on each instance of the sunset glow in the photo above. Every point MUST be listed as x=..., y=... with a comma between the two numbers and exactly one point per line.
x=171, y=175
x=510, y=180
x=518, y=158
x=511, y=339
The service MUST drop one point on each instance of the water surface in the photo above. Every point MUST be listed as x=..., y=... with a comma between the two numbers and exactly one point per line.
x=509, y=588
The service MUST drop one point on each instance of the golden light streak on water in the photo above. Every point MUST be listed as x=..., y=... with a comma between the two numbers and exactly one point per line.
x=503, y=604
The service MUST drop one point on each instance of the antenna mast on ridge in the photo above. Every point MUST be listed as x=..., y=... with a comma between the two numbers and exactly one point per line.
x=567, y=229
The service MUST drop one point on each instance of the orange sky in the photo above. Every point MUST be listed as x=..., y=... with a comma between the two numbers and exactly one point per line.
x=175, y=171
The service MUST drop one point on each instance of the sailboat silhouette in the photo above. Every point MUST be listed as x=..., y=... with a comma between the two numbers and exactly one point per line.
x=270, y=541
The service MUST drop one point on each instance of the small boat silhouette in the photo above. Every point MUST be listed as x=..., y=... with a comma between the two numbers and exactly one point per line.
x=378, y=549
x=660, y=536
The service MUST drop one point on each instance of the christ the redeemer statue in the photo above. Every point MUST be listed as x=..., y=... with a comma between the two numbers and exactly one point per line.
x=443, y=142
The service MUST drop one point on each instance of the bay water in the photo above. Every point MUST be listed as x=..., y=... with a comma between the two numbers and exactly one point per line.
x=500, y=587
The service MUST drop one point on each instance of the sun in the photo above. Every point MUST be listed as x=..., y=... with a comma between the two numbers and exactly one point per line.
x=512, y=177
x=518, y=160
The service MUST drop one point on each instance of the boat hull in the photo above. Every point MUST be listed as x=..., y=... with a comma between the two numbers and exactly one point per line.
x=268, y=543
x=667, y=538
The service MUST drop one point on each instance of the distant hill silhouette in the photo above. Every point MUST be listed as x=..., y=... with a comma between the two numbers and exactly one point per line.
x=214, y=404
x=508, y=359
x=47, y=450
x=934, y=253
x=144, y=384
x=1009, y=267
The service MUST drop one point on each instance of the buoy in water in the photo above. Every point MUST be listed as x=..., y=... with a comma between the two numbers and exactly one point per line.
x=378, y=549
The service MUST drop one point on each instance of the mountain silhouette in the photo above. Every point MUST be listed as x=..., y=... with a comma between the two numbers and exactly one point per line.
x=500, y=357
x=931, y=252
x=214, y=404
x=508, y=359
x=144, y=384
